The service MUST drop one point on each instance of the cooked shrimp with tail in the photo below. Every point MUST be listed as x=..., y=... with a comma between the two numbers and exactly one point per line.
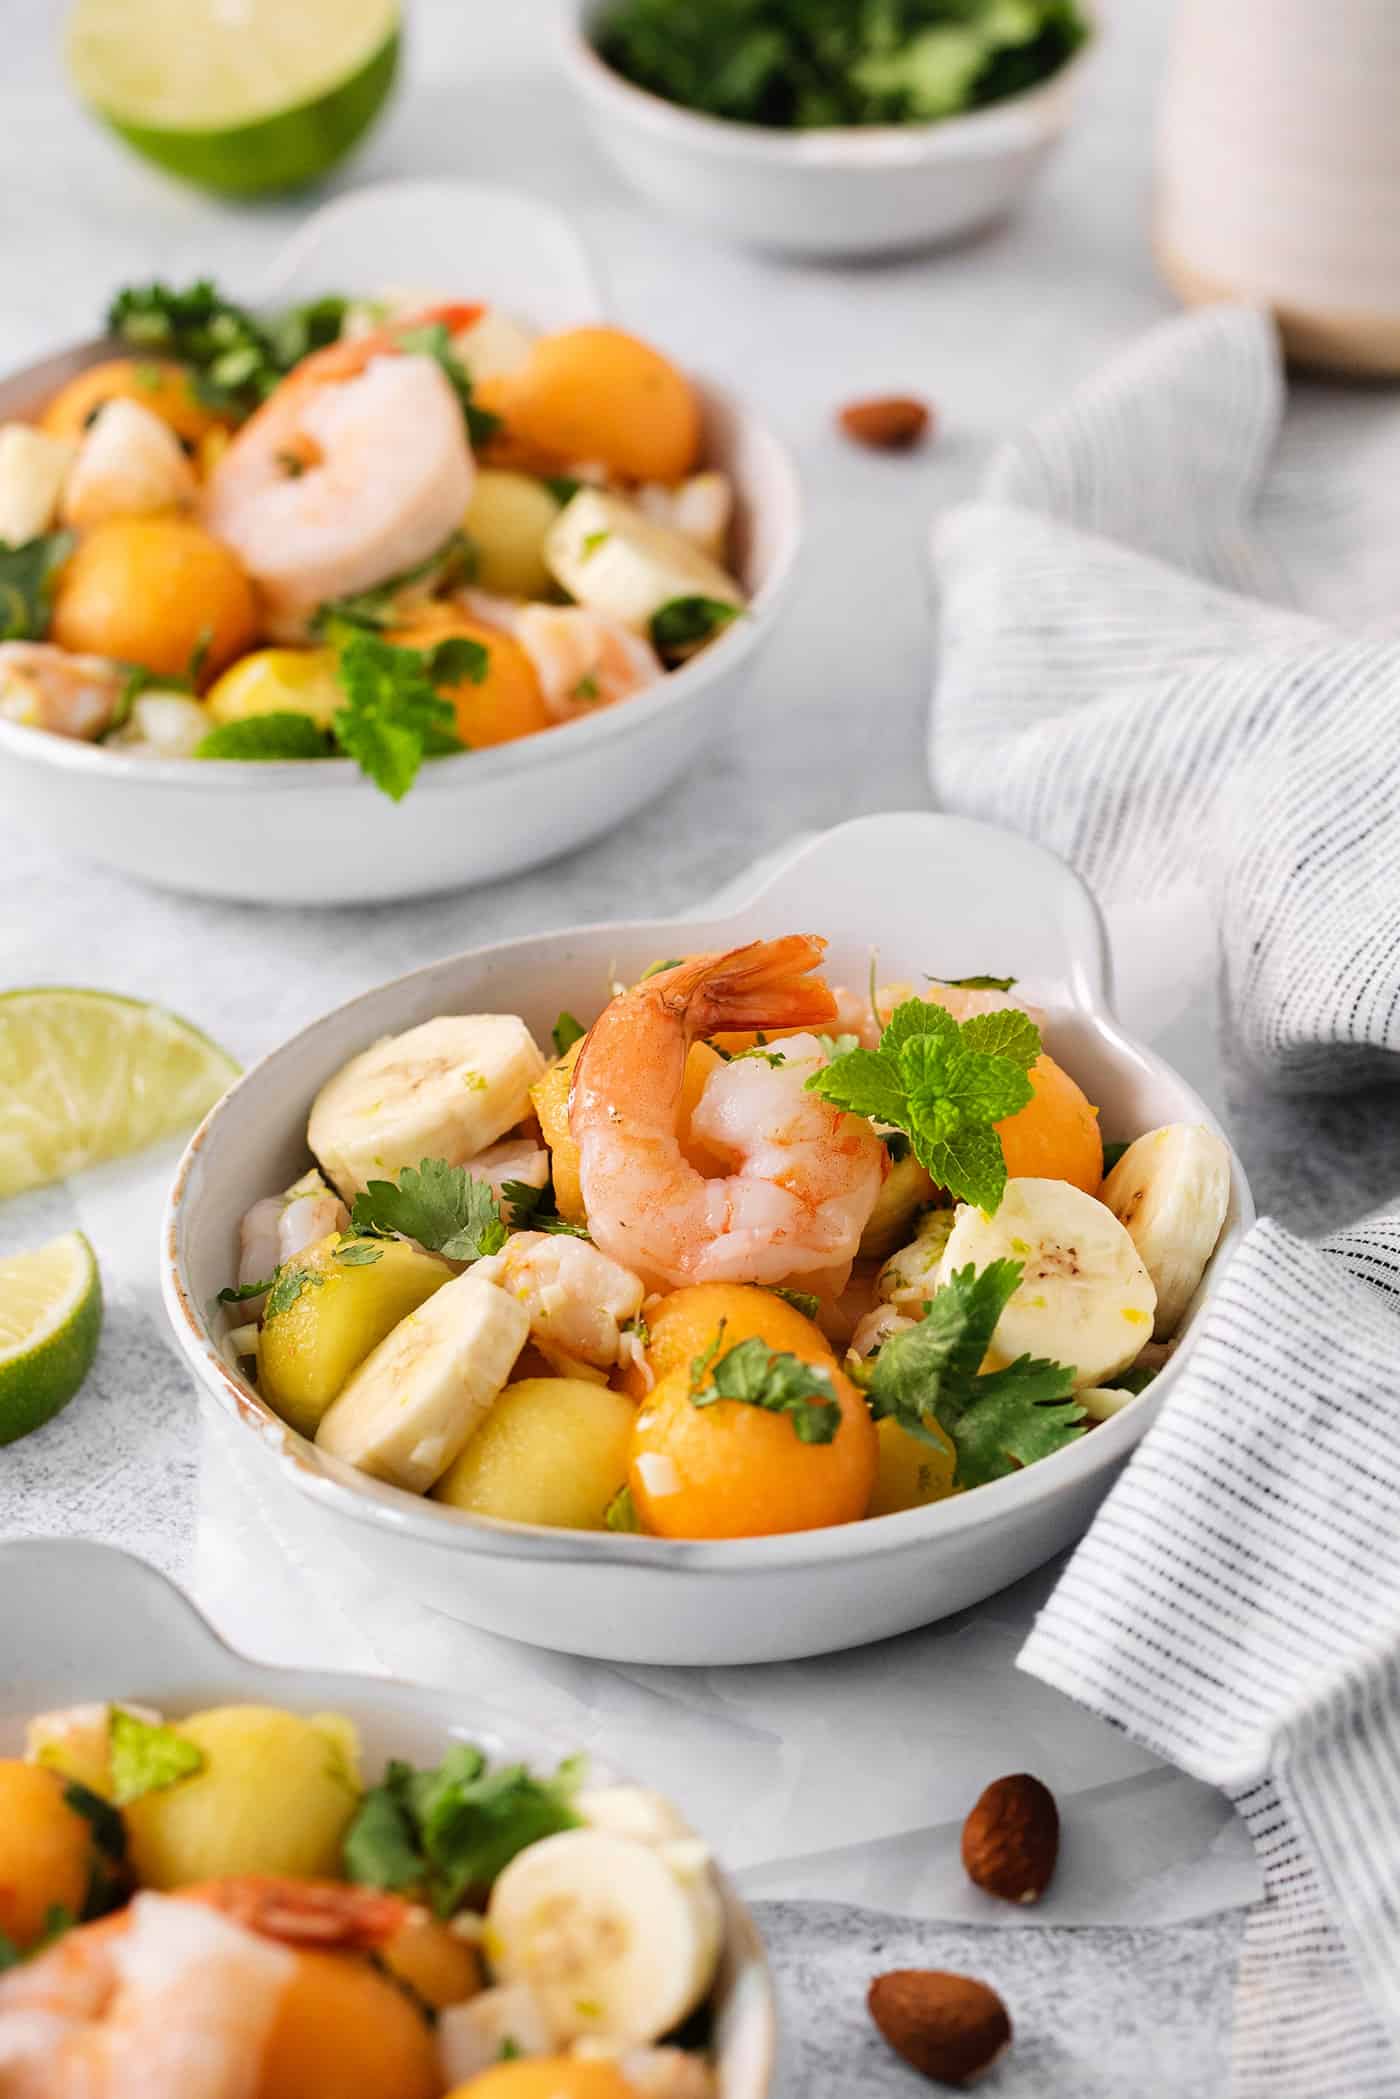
x=806, y=1175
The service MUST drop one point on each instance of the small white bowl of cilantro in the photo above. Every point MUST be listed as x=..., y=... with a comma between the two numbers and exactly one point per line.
x=836, y=128
x=389, y=561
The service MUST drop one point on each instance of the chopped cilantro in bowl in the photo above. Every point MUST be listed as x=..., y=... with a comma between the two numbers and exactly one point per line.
x=816, y=64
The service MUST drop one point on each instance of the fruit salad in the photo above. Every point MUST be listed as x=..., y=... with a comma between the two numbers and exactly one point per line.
x=388, y=530
x=220, y=1905
x=746, y=1255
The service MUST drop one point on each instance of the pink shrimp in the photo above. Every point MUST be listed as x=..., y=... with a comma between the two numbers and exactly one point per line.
x=807, y=1175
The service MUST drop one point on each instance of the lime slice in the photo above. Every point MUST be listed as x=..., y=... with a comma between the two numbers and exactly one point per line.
x=238, y=96
x=85, y=1075
x=50, y=1317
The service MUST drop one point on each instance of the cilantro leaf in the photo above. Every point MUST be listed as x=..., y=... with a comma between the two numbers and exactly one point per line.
x=974, y=983
x=946, y=1084
x=776, y=1381
x=440, y=1206
x=1137, y=1379
x=27, y=575
x=450, y=1831
x=801, y=1300
x=108, y=1881
x=567, y=1030
x=434, y=341
x=1113, y=1152
x=267, y=737
x=683, y=625
x=10, y=1955
x=147, y=1758
x=235, y=360
x=384, y=604
x=393, y=716
x=239, y=1293
x=358, y=1253
x=932, y=1371
x=621, y=1512
x=563, y=487
x=287, y=1286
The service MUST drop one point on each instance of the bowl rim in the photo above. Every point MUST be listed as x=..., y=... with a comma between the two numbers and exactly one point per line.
x=992, y=129
x=379, y=1506
x=452, y=773
x=197, y=1644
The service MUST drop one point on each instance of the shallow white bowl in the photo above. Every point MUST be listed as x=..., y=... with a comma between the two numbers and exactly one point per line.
x=929, y=893
x=321, y=833
x=80, y=1623
x=844, y=192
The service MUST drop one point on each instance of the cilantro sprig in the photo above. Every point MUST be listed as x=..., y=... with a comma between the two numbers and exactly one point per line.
x=447, y=1833
x=28, y=573
x=996, y=1420
x=778, y=1382
x=441, y=1206
x=683, y=625
x=946, y=1084
x=235, y=360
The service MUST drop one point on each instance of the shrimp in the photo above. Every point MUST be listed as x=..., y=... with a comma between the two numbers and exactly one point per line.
x=577, y=1300
x=167, y=1997
x=45, y=687
x=808, y=1175
x=356, y=468
x=280, y=1226
x=584, y=660
x=512, y=1159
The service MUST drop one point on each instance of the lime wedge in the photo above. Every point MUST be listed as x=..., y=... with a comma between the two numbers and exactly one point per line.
x=239, y=96
x=85, y=1075
x=50, y=1317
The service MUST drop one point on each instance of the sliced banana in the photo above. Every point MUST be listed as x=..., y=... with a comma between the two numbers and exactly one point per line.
x=1171, y=1190
x=632, y=1811
x=445, y=1090
x=33, y=467
x=1084, y=1299
x=614, y=560
x=616, y=1938
x=700, y=509
x=414, y=1402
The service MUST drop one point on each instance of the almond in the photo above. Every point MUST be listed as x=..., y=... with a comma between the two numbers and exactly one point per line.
x=1011, y=1839
x=948, y=2026
x=892, y=423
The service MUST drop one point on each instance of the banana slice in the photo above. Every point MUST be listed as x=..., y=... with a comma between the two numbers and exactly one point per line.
x=445, y=1090
x=1084, y=1298
x=410, y=1408
x=632, y=1811
x=1171, y=1190
x=611, y=558
x=700, y=509
x=616, y=1938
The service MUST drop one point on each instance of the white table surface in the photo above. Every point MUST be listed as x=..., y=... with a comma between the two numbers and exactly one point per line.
x=992, y=333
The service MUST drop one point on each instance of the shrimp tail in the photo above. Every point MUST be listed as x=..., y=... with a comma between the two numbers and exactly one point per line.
x=767, y=984
x=321, y=1913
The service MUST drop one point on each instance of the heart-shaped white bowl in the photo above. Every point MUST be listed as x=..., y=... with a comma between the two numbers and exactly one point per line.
x=321, y=833
x=929, y=893
x=80, y=1623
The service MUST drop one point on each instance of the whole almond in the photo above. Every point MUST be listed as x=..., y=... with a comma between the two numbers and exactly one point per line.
x=1011, y=1839
x=891, y=423
x=948, y=2026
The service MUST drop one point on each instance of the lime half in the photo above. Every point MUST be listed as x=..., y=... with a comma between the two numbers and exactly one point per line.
x=50, y=1317
x=238, y=96
x=85, y=1076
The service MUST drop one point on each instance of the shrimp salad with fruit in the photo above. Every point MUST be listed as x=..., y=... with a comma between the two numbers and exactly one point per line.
x=747, y=1255
x=386, y=530
x=219, y=1907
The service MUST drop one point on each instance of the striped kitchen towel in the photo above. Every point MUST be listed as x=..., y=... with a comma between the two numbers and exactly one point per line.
x=1170, y=648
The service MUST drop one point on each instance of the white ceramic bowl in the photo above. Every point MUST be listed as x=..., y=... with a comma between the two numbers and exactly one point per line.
x=844, y=192
x=321, y=833
x=929, y=893
x=80, y=1623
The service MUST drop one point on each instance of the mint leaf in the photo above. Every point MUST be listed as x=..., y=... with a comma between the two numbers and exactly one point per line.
x=458, y=660
x=393, y=717
x=440, y=1206
x=287, y=1286
x=451, y=1830
x=566, y=1032
x=683, y=625
x=932, y=1372
x=145, y=1757
x=27, y=576
x=779, y=1383
x=267, y=737
x=946, y=1084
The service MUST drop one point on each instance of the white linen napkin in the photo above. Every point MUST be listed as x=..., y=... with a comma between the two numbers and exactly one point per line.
x=1164, y=652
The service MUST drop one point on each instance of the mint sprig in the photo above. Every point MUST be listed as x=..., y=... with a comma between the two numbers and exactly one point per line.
x=946, y=1084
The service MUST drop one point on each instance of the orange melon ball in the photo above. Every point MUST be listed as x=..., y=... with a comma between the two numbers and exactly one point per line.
x=159, y=591
x=344, y=2031
x=437, y=1964
x=508, y=703
x=165, y=388
x=598, y=394
x=46, y=1851
x=1056, y=1136
x=548, y=2077
x=731, y=1470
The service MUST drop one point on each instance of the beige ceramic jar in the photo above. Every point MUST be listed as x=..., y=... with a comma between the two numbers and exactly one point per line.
x=1279, y=170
